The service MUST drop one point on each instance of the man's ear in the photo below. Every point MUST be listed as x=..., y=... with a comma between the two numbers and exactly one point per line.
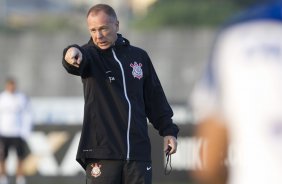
x=117, y=25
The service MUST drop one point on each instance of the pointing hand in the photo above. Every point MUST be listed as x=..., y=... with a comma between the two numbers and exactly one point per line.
x=73, y=56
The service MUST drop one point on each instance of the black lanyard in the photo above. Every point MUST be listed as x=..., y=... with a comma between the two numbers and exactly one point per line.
x=168, y=162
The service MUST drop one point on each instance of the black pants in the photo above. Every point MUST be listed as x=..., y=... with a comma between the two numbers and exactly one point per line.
x=119, y=172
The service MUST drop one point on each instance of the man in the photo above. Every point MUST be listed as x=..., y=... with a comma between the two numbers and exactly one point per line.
x=239, y=101
x=121, y=89
x=15, y=126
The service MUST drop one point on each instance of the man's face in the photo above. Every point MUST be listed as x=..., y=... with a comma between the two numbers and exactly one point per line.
x=10, y=86
x=103, y=29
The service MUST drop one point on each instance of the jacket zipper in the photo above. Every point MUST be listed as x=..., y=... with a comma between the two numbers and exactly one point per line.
x=129, y=104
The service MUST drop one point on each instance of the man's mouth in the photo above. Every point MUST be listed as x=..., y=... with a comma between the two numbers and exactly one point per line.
x=103, y=43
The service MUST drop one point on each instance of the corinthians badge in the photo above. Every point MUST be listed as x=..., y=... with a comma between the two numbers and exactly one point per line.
x=96, y=171
x=137, y=70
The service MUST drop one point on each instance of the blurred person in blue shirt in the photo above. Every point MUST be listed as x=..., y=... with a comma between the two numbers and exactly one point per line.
x=238, y=102
x=15, y=127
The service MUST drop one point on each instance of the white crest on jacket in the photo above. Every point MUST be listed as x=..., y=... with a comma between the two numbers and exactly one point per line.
x=137, y=71
x=96, y=171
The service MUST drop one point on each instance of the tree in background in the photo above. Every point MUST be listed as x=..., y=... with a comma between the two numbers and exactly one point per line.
x=184, y=13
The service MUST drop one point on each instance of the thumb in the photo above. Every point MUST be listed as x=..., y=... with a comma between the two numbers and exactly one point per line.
x=79, y=58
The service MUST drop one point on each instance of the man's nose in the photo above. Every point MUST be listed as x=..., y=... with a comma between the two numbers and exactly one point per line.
x=99, y=34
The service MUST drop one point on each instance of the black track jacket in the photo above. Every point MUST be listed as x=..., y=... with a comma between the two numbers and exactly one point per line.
x=121, y=89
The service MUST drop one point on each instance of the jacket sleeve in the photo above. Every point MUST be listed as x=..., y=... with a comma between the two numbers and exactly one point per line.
x=82, y=69
x=158, y=110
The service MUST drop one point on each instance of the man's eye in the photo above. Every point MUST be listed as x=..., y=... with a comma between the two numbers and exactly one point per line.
x=104, y=29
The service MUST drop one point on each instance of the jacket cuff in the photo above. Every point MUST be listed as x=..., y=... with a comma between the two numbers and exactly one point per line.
x=171, y=130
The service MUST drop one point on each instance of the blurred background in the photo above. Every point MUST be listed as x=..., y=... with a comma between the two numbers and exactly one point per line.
x=178, y=36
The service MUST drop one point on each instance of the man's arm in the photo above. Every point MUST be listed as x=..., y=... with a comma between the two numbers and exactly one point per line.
x=26, y=119
x=158, y=110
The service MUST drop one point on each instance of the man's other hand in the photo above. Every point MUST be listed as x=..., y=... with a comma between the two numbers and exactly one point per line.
x=170, y=144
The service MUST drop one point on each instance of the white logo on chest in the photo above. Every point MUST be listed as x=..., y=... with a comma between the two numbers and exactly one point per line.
x=137, y=71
